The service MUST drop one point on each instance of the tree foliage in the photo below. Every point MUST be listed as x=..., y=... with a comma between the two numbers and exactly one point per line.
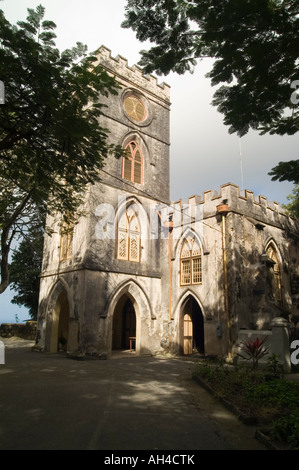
x=25, y=270
x=286, y=171
x=51, y=143
x=292, y=208
x=255, y=46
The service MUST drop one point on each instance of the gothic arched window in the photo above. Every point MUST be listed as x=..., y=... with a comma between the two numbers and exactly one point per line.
x=191, y=269
x=128, y=237
x=132, y=163
x=274, y=276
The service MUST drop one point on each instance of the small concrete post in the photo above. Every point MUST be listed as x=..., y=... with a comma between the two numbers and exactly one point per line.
x=280, y=342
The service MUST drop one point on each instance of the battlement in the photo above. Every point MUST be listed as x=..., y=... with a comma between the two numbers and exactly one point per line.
x=240, y=202
x=119, y=67
x=235, y=196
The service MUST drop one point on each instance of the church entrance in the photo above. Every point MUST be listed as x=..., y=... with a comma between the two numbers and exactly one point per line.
x=124, y=325
x=192, y=328
x=60, y=324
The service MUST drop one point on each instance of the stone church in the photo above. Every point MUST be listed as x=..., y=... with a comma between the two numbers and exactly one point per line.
x=145, y=274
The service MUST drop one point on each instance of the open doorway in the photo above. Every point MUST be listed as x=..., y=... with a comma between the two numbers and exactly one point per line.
x=124, y=325
x=192, y=328
x=60, y=324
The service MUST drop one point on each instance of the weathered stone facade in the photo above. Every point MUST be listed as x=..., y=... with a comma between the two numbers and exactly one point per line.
x=169, y=276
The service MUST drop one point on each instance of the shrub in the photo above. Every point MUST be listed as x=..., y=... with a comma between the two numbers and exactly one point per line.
x=253, y=350
x=286, y=429
x=274, y=401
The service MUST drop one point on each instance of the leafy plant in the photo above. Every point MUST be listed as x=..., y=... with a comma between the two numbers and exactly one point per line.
x=253, y=350
x=274, y=402
x=275, y=366
x=51, y=142
x=286, y=429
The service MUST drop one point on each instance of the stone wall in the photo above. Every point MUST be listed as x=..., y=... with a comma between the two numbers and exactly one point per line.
x=277, y=342
x=21, y=330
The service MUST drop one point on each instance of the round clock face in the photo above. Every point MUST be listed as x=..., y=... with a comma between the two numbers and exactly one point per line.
x=134, y=108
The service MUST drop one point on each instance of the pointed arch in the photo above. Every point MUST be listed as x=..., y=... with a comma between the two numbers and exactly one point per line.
x=190, y=317
x=184, y=298
x=128, y=236
x=135, y=291
x=132, y=163
x=135, y=205
x=271, y=244
x=132, y=227
x=132, y=291
x=59, y=312
x=133, y=160
x=189, y=232
x=190, y=255
x=58, y=287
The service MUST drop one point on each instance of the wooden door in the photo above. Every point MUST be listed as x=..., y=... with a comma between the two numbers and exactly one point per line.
x=188, y=334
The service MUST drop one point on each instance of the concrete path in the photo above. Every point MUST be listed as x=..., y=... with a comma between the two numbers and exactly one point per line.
x=124, y=403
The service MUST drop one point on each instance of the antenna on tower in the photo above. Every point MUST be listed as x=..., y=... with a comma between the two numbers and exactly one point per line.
x=241, y=164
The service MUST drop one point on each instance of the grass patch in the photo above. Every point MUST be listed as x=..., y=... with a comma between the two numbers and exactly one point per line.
x=256, y=394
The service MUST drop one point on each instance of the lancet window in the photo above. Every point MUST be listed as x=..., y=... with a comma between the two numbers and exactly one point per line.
x=191, y=262
x=132, y=163
x=128, y=240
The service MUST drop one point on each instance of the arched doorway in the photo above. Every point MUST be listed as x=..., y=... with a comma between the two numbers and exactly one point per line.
x=192, y=328
x=124, y=324
x=60, y=323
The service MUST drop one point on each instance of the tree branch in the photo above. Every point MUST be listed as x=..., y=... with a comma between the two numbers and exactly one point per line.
x=6, y=241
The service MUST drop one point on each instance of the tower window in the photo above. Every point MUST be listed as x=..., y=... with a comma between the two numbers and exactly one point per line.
x=191, y=267
x=132, y=163
x=128, y=240
x=134, y=108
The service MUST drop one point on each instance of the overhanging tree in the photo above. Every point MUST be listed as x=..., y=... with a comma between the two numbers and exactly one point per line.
x=25, y=270
x=255, y=44
x=292, y=208
x=51, y=143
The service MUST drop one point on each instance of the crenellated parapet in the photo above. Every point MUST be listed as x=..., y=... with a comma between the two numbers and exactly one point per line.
x=119, y=67
x=240, y=202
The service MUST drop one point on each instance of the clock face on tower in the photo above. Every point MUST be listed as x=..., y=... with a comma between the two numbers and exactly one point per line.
x=134, y=108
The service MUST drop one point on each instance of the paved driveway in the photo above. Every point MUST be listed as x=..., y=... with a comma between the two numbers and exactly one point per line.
x=124, y=403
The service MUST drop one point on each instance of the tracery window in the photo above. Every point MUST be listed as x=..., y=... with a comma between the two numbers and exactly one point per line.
x=128, y=239
x=132, y=163
x=135, y=108
x=191, y=262
x=274, y=275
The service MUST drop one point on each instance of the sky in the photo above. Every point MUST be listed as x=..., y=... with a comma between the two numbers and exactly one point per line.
x=203, y=155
